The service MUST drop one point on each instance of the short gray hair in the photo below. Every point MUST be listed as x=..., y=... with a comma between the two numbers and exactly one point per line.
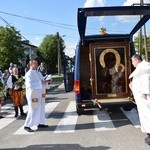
x=137, y=56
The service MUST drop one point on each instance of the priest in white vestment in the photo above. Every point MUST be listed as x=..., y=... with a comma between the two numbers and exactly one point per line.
x=36, y=106
x=140, y=86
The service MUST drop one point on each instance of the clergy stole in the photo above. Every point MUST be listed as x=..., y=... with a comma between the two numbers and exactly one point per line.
x=34, y=97
x=43, y=93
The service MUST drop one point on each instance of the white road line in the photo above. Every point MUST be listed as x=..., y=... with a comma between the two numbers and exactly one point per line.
x=102, y=121
x=60, y=87
x=133, y=117
x=9, y=118
x=68, y=122
x=48, y=110
x=50, y=107
x=21, y=131
x=7, y=106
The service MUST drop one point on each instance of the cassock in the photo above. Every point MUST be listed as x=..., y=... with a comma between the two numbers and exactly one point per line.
x=36, y=106
x=141, y=85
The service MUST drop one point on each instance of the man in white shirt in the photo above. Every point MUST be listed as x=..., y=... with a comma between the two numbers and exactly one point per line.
x=140, y=87
x=36, y=112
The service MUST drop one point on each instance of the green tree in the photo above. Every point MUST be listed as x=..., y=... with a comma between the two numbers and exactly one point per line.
x=136, y=43
x=11, y=49
x=48, y=52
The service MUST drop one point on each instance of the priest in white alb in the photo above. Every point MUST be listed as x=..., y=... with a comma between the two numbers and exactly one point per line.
x=36, y=105
x=140, y=86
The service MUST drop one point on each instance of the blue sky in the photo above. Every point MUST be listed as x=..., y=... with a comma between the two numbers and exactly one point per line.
x=62, y=15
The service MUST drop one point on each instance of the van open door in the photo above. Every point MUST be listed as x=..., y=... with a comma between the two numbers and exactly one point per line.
x=110, y=69
x=103, y=61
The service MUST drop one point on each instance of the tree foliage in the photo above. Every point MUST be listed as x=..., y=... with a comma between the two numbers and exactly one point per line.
x=48, y=52
x=137, y=41
x=11, y=49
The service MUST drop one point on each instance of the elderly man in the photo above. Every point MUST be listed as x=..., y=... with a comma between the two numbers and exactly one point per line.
x=36, y=112
x=140, y=87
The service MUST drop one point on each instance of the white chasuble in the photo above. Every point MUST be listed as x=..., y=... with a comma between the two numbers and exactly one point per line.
x=140, y=86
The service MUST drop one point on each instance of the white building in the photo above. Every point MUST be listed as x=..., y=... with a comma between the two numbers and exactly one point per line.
x=29, y=50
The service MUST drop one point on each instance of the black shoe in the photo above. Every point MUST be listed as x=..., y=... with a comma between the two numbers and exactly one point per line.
x=28, y=129
x=16, y=111
x=147, y=140
x=16, y=115
x=1, y=117
x=42, y=126
x=23, y=114
x=21, y=111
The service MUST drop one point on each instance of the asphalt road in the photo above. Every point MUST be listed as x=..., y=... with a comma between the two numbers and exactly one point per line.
x=95, y=130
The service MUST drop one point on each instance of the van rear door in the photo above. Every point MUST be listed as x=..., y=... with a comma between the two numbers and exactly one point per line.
x=110, y=69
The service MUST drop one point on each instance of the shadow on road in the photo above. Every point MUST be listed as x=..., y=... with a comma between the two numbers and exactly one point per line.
x=59, y=147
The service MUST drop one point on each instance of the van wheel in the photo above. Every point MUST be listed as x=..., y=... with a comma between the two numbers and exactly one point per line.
x=127, y=108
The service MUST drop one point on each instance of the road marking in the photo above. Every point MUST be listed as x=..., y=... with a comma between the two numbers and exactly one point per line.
x=60, y=87
x=50, y=107
x=21, y=131
x=9, y=118
x=133, y=117
x=68, y=122
x=102, y=121
x=7, y=106
x=48, y=110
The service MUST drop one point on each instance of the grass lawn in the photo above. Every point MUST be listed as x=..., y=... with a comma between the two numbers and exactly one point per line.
x=56, y=78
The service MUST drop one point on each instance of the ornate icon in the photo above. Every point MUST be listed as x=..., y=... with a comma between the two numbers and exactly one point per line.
x=118, y=59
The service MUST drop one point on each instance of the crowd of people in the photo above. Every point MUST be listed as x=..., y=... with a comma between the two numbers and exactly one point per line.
x=35, y=86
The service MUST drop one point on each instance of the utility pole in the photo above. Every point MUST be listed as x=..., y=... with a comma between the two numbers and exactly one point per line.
x=140, y=38
x=58, y=54
x=145, y=43
x=145, y=36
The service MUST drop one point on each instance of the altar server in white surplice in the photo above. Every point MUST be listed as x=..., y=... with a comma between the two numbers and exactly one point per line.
x=140, y=87
x=36, y=106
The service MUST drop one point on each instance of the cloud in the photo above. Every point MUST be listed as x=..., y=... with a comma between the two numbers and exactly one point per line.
x=37, y=40
x=126, y=19
x=94, y=3
x=70, y=50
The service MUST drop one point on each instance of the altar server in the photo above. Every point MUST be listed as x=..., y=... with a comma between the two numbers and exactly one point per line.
x=140, y=87
x=36, y=112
